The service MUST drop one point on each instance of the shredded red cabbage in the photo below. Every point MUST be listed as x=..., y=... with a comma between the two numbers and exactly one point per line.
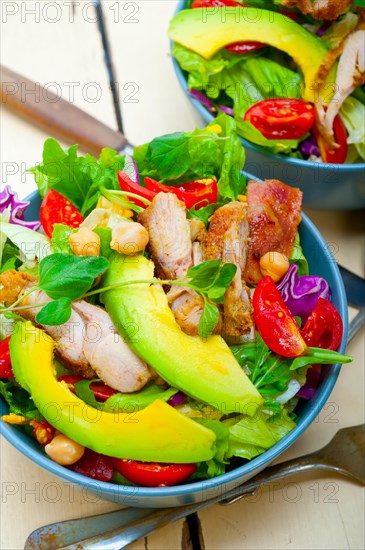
x=178, y=398
x=226, y=110
x=301, y=293
x=308, y=390
x=203, y=99
x=322, y=29
x=309, y=147
x=9, y=202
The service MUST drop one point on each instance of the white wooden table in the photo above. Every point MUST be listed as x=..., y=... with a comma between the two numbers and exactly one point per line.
x=57, y=44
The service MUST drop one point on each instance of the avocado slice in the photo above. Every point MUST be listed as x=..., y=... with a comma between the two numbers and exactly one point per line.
x=204, y=369
x=157, y=433
x=206, y=31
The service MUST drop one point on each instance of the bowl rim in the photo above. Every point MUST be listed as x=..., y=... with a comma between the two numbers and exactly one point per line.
x=17, y=439
x=209, y=117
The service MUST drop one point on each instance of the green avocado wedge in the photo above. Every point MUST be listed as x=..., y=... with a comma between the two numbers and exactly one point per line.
x=204, y=369
x=206, y=31
x=158, y=433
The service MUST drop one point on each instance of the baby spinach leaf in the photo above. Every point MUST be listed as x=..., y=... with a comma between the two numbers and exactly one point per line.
x=55, y=313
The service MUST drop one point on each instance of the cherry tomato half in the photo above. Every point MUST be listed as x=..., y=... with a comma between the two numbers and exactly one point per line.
x=191, y=193
x=281, y=118
x=338, y=155
x=274, y=321
x=56, y=208
x=153, y=474
x=324, y=327
x=5, y=362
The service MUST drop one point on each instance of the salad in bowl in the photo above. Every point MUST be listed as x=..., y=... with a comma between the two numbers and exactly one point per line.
x=161, y=328
x=291, y=73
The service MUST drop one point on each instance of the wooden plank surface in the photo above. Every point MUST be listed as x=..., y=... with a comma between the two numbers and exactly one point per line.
x=314, y=512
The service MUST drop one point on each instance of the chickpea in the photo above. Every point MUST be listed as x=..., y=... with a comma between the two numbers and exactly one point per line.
x=64, y=450
x=129, y=238
x=274, y=264
x=85, y=242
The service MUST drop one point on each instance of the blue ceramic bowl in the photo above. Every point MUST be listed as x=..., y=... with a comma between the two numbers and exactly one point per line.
x=325, y=186
x=321, y=263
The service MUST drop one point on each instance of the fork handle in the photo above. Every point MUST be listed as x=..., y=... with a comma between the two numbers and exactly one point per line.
x=121, y=537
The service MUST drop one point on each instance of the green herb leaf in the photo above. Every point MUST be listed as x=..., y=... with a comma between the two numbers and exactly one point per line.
x=222, y=282
x=203, y=276
x=320, y=356
x=208, y=320
x=55, y=313
x=62, y=275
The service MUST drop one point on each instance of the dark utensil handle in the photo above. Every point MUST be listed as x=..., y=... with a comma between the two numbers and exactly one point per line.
x=58, y=117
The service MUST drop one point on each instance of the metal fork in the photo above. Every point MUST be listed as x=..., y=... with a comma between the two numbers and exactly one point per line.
x=343, y=455
x=115, y=530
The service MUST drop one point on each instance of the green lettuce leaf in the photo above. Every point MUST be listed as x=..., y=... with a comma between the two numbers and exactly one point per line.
x=181, y=157
x=353, y=115
x=19, y=400
x=77, y=177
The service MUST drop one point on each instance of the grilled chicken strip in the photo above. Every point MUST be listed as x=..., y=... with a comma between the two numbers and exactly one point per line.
x=88, y=342
x=169, y=232
x=319, y=9
x=350, y=75
x=170, y=245
x=274, y=213
x=227, y=238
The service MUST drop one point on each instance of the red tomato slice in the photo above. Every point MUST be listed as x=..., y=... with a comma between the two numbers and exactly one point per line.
x=274, y=321
x=245, y=47
x=191, y=193
x=56, y=208
x=6, y=370
x=338, y=155
x=324, y=327
x=153, y=474
x=281, y=118
x=129, y=186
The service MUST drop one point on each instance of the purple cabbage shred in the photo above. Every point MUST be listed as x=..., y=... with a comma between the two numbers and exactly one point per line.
x=301, y=293
x=178, y=398
x=203, y=99
x=9, y=201
x=225, y=109
x=309, y=147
